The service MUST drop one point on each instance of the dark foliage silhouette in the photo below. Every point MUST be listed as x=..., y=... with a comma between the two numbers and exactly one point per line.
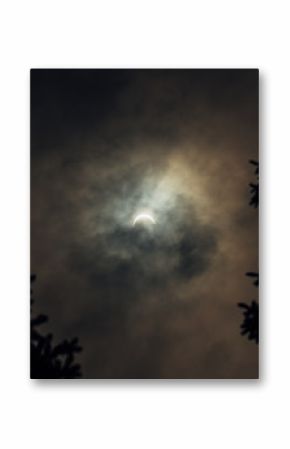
x=250, y=325
x=255, y=276
x=49, y=361
x=254, y=187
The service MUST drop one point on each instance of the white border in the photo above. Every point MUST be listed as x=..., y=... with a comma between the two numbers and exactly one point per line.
x=144, y=34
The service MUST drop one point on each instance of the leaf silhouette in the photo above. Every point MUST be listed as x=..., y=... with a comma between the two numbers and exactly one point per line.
x=49, y=361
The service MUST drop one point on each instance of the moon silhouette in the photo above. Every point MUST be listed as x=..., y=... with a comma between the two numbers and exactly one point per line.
x=143, y=217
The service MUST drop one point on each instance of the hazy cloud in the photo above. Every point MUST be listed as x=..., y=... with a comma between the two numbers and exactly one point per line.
x=155, y=301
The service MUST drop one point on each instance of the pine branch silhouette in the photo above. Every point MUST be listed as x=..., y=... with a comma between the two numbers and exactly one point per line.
x=250, y=324
x=47, y=360
x=254, y=187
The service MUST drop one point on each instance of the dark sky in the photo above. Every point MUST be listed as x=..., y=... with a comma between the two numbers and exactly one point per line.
x=146, y=301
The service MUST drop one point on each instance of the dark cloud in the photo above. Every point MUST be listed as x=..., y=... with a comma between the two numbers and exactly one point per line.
x=146, y=301
x=178, y=245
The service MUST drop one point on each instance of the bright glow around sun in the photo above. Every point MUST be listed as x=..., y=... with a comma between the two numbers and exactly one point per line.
x=143, y=217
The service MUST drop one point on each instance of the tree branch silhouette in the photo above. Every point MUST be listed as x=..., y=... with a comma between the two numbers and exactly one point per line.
x=49, y=360
x=250, y=324
x=254, y=187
